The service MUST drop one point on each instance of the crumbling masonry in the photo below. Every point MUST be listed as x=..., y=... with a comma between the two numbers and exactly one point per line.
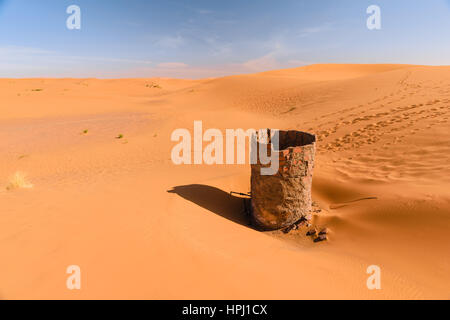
x=282, y=199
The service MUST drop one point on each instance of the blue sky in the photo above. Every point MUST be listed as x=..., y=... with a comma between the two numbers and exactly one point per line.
x=205, y=38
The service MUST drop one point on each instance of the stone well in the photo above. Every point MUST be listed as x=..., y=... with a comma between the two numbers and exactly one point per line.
x=279, y=200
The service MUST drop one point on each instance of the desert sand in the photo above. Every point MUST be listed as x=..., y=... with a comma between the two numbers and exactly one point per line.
x=140, y=227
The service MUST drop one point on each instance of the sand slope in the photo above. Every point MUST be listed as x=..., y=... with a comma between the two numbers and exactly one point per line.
x=140, y=227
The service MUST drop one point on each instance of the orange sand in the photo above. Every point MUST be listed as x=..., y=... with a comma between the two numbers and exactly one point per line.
x=103, y=203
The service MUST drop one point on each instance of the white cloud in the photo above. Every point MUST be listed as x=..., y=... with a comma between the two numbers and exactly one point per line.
x=298, y=62
x=172, y=65
x=14, y=51
x=104, y=59
x=218, y=48
x=313, y=30
x=171, y=42
x=24, y=53
x=18, y=61
x=263, y=63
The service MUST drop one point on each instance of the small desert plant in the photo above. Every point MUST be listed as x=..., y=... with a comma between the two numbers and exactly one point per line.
x=120, y=136
x=85, y=131
x=19, y=181
x=153, y=85
x=37, y=90
x=290, y=110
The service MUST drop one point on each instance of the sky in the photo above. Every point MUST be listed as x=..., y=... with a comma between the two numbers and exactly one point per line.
x=210, y=38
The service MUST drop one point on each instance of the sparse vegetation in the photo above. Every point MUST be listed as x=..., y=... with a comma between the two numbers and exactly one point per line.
x=120, y=136
x=153, y=85
x=37, y=90
x=18, y=181
x=86, y=131
x=290, y=110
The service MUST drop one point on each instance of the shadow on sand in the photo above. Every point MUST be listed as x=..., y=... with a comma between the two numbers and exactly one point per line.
x=215, y=200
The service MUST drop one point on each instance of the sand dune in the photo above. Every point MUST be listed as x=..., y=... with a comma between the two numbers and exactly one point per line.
x=141, y=227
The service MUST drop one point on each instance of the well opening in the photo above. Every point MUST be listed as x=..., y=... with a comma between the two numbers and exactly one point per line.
x=294, y=138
